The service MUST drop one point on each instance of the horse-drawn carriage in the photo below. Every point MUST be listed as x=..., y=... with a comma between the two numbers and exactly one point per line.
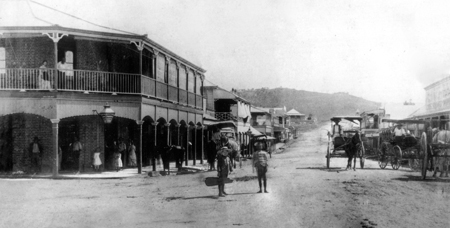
x=411, y=148
x=344, y=140
x=419, y=147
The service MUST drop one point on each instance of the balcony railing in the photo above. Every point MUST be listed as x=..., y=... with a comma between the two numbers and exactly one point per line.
x=95, y=82
x=225, y=116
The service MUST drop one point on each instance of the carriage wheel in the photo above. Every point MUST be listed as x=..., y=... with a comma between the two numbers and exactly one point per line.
x=397, y=158
x=424, y=150
x=383, y=160
x=328, y=156
x=362, y=156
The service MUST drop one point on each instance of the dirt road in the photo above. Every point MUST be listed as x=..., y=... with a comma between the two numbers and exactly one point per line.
x=302, y=193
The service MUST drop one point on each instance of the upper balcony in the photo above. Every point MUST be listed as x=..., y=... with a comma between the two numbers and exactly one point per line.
x=96, y=62
x=225, y=116
x=24, y=79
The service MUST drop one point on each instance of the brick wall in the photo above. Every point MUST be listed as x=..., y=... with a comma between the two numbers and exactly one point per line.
x=90, y=55
x=103, y=56
x=91, y=135
x=31, y=51
x=19, y=130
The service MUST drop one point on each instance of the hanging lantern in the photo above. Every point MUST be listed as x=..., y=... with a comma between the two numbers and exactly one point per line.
x=107, y=114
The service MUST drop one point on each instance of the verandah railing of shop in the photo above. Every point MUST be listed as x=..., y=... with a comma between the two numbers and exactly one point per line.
x=95, y=82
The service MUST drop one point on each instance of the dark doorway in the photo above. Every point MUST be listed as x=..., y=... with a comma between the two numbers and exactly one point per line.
x=68, y=131
x=161, y=135
x=6, y=146
x=148, y=141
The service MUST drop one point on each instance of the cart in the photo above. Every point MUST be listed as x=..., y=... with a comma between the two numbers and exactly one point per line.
x=412, y=148
x=342, y=130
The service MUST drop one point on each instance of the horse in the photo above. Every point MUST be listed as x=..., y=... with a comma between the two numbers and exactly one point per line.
x=235, y=152
x=351, y=148
x=176, y=152
x=441, y=137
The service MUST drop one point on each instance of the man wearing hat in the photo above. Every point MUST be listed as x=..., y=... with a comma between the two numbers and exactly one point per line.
x=35, y=151
x=399, y=133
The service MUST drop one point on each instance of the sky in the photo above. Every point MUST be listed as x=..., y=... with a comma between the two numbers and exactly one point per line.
x=385, y=51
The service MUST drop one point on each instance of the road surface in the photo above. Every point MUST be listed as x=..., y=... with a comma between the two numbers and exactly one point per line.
x=302, y=193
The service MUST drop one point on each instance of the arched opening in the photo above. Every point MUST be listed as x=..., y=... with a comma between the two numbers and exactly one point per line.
x=68, y=133
x=183, y=137
x=191, y=139
x=199, y=142
x=148, y=141
x=17, y=132
x=119, y=130
x=173, y=133
x=161, y=135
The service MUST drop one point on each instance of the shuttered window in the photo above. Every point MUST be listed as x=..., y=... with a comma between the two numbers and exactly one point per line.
x=2, y=60
x=182, y=77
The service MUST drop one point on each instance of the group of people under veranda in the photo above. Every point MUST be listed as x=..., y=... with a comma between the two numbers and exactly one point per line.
x=223, y=150
x=36, y=151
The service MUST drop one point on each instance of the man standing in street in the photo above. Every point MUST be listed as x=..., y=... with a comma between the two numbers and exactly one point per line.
x=223, y=165
x=260, y=163
x=35, y=150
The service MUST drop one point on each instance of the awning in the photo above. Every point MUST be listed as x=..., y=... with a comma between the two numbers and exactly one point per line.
x=219, y=124
x=206, y=116
x=245, y=130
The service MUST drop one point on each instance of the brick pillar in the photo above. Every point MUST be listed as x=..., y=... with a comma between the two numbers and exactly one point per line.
x=139, y=123
x=55, y=147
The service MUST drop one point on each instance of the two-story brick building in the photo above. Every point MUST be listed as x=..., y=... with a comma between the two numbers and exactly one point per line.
x=156, y=94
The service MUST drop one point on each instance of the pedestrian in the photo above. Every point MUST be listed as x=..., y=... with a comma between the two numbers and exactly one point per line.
x=97, y=161
x=223, y=166
x=132, y=155
x=260, y=163
x=117, y=158
x=122, y=147
x=35, y=150
x=77, y=148
x=44, y=79
x=211, y=154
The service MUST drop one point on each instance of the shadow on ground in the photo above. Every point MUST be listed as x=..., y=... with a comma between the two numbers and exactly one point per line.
x=206, y=197
x=408, y=178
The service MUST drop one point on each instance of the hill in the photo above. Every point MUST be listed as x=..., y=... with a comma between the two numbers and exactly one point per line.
x=321, y=105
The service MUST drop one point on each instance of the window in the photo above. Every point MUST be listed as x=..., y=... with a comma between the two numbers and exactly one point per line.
x=160, y=68
x=182, y=78
x=198, y=86
x=191, y=82
x=2, y=60
x=69, y=62
x=172, y=74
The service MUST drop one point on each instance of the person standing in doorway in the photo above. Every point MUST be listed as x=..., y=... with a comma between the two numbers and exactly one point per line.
x=122, y=147
x=77, y=148
x=97, y=161
x=117, y=158
x=132, y=155
x=35, y=151
x=260, y=163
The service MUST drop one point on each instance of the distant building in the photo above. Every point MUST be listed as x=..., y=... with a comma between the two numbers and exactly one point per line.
x=229, y=113
x=262, y=120
x=437, y=104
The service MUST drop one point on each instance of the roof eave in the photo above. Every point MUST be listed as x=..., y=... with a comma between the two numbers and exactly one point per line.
x=97, y=34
